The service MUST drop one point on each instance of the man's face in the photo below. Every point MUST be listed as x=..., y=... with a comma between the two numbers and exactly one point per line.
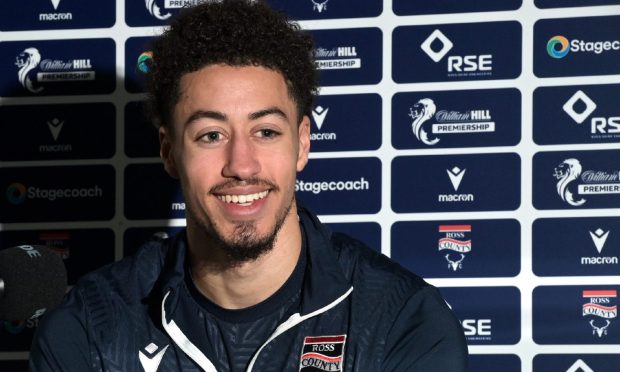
x=236, y=148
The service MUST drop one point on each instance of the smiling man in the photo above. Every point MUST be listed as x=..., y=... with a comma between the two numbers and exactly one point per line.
x=255, y=282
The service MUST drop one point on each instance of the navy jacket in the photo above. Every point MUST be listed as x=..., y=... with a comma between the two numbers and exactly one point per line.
x=359, y=312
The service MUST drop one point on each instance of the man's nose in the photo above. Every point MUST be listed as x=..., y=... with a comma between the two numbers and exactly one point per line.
x=241, y=162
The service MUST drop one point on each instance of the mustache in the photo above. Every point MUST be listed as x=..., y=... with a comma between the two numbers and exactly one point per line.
x=254, y=181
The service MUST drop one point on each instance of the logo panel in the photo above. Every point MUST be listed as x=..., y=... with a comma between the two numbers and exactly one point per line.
x=135, y=237
x=576, y=46
x=489, y=315
x=49, y=132
x=145, y=202
x=572, y=3
x=576, y=362
x=17, y=336
x=455, y=52
x=349, y=56
x=489, y=362
x=472, y=118
x=55, y=14
x=417, y=7
x=141, y=140
x=322, y=353
x=138, y=60
x=82, y=250
x=367, y=232
x=576, y=114
x=576, y=246
x=341, y=186
x=584, y=314
x=577, y=179
x=67, y=193
x=57, y=67
x=346, y=123
x=154, y=12
x=456, y=183
x=458, y=249
x=328, y=9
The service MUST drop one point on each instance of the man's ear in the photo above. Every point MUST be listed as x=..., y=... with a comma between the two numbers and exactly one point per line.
x=166, y=153
x=304, y=143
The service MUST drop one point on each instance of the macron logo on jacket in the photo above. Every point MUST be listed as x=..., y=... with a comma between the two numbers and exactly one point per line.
x=151, y=362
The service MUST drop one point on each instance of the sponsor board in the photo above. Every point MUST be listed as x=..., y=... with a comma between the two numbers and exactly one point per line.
x=50, y=132
x=466, y=118
x=455, y=52
x=490, y=362
x=16, y=15
x=576, y=246
x=473, y=182
x=141, y=138
x=82, y=250
x=340, y=186
x=367, y=232
x=576, y=114
x=338, y=121
x=417, y=7
x=143, y=201
x=138, y=60
x=154, y=12
x=57, y=67
x=576, y=46
x=458, y=249
x=348, y=56
x=575, y=315
x=57, y=193
x=489, y=315
x=576, y=362
x=328, y=9
x=572, y=3
x=17, y=336
x=576, y=179
x=135, y=237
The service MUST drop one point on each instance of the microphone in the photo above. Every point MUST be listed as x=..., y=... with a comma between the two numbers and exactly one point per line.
x=33, y=279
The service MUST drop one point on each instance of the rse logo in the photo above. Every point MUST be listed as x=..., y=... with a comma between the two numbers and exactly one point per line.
x=477, y=327
x=456, y=63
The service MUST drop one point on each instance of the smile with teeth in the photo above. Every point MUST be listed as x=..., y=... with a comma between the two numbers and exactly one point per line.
x=243, y=199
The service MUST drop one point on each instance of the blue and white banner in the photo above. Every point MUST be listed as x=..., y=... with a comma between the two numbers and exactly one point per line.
x=367, y=232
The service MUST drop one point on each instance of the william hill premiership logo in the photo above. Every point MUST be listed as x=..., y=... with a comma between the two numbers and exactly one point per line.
x=457, y=65
x=592, y=182
x=338, y=58
x=456, y=243
x=154, y=8
x=322, y=353
x=446, y=121
x=34, y=71
x=600, y=309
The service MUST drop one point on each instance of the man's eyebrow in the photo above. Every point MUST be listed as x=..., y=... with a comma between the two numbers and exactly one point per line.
x=206, y=114
x=268, y=111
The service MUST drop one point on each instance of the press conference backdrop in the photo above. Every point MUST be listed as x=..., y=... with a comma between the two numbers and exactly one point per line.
x=475, y=142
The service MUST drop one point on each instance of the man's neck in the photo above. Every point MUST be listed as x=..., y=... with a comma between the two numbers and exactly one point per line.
x=243, y=285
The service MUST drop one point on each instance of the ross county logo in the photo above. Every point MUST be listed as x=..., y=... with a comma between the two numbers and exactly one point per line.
x=155, y=10
x=319, y=114
x=600, y=309
x=58, y=242
x=600, y=127
x=468, y=65
x=338, y=58
x=322, y=353
x=593, y=182
x=559, y=46
x=319, y=6
x=55, y=16
x=599, y=237
x=456, y=176
x=55, y=126
x=317, y=187
x=50, y=70
x=17, y=193
x=447, y=121
x=457, y=242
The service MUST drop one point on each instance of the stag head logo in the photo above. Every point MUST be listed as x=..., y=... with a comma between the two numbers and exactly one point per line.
x=455, y=265
x=319, y=6
x=600, y=331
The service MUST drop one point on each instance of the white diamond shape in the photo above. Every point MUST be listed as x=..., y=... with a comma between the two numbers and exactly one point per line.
x=319, y=114
x=456, y=176
x=599, y=237
x=55, y=3
x=570, y=104
x=579, y=365
x=151, y=348
x=426, y=46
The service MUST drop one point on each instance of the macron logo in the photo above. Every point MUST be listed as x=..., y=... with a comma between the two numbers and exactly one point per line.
x=599, y=237
x=456, y=176
x=579, y=366
x=150, y=362
x=55, y=4
x=55, y=127
x=319, y=114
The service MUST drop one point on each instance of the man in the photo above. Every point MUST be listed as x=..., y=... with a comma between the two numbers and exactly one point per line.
x=255, y=282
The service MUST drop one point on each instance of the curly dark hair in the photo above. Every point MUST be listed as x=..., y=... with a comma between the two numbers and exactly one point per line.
x=231, y=32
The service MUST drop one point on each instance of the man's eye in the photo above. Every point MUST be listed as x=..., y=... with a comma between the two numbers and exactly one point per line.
x=268, y=133
x=211, y=137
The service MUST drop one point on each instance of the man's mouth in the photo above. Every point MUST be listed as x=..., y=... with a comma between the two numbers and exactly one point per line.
x=244, y=200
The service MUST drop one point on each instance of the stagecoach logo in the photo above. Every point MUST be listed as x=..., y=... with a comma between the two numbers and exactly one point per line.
x=155, y=10
x=600, y=127
x=456, y=176
x=599, y=237
x=319, y=6
x=322, y=353
x=447, y=121
x=474, y=65
x=50, y=70
x=338, y=58
x=600, y=308
x=55, y=16
x=593, y=182
x=319, y=114
x=457, y=242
